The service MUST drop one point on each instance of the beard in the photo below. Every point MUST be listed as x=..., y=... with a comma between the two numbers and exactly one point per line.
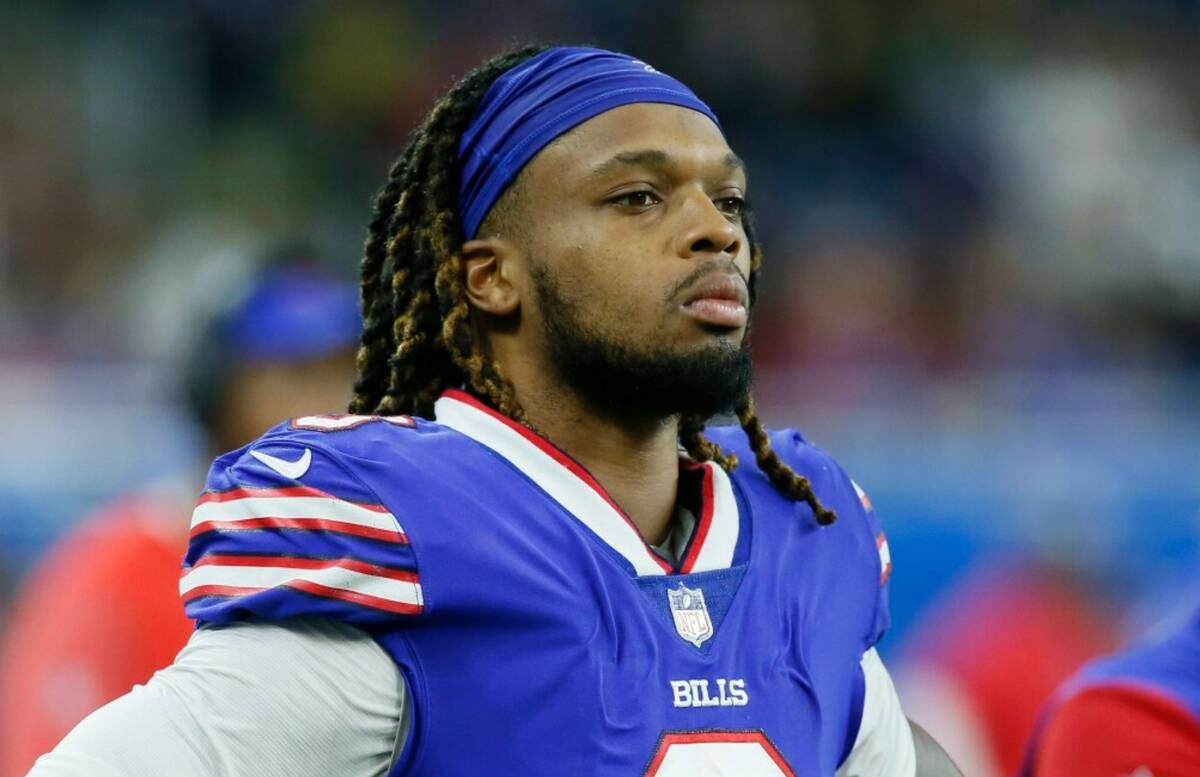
x=622, y=379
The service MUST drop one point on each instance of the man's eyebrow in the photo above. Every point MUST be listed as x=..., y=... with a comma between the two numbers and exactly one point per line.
x=653, y=158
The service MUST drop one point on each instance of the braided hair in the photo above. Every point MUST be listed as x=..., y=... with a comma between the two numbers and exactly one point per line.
x=417, y=336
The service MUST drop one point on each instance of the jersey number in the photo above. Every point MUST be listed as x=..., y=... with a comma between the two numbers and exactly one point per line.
x=741, y=753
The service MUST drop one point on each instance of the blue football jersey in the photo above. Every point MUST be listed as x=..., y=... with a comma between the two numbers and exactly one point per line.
x=536, y=630
x=1169, y=667
x=1134, y=712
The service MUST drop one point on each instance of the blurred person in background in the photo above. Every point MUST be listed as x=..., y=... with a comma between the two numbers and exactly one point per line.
x=986, y=653
x=1135, y=713
x=101, y=612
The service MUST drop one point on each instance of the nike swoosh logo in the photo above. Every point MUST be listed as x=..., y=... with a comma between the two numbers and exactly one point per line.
x=292, y=470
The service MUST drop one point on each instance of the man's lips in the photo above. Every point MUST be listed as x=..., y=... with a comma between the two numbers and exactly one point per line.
x=720, y=299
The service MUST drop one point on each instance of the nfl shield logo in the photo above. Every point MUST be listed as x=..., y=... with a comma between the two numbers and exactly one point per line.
x=690, y=614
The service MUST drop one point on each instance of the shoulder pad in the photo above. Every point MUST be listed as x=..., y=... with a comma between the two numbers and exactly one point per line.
x=857, y=521
x=284, y=529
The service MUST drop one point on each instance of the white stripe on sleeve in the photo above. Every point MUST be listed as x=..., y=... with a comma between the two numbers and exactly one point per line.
x=250, y=508
x=337, y=578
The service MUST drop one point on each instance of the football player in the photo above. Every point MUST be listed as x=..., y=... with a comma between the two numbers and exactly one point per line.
x=524, y=553
x=283, y=344
x=1132, y=714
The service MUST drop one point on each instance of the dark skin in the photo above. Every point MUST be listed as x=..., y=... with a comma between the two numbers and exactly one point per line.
x=642, y=197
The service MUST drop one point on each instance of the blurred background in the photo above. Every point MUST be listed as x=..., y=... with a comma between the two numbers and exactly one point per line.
x=982, y=289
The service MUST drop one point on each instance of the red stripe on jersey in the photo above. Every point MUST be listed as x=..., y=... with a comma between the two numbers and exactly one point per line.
x=354, y=597
x=291, y=491
x=316, y=589
x=554, y=452
x=293, y=562
x=307, y=524
x=220, y=590
x=700, y=533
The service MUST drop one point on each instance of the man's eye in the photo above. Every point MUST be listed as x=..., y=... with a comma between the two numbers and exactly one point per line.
x=639, y=200
x=732, y=206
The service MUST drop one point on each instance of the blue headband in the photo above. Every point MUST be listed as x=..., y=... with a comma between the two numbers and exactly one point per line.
x=540, y=99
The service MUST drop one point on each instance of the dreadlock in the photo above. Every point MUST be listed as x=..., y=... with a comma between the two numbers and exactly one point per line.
x=417, y=336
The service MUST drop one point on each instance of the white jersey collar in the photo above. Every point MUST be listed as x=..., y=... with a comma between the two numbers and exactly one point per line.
x=567, y=482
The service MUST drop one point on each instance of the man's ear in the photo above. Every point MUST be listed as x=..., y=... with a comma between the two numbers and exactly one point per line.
x=490, y=269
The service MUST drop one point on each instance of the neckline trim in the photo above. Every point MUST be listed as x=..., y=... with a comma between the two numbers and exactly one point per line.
x=569, y=483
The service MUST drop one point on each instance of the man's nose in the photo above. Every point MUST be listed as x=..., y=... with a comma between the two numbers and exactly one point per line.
x=707, y=232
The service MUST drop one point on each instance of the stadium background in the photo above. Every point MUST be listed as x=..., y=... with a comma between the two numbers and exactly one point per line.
x=982, y=225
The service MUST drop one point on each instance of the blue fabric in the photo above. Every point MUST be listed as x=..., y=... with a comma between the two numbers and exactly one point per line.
x=720, y=586
x=1169, y=666
x=540, y=99
x=526, y=609
x=292, y=315
x=240, y=474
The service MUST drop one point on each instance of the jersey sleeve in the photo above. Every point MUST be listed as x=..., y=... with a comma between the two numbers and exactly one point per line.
x=1118, y=730
x=285, y=529
x=326, y=699
x=867, y=546
x=882, y=619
